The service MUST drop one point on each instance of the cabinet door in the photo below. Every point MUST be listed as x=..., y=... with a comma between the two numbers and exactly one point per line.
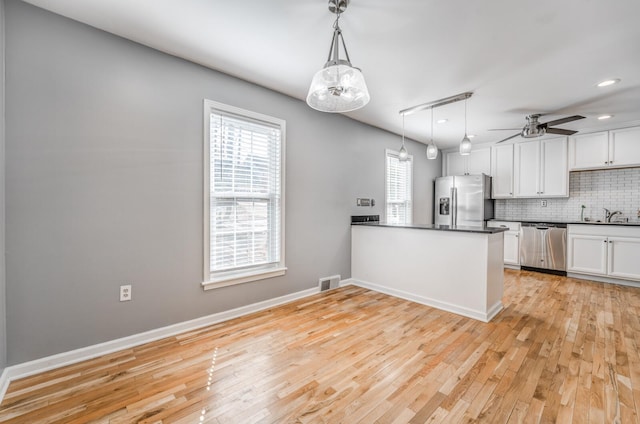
x=624, y=255
x=589, y=151
x=526, y=169
x=455, y=164
x=624, y=147
x=479, y=162
x=502, y=171
x=554, y=173
x=586, y=253
x=512, y=247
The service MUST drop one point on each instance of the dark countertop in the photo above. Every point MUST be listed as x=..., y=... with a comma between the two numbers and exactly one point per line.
x=458, y=228
x=546, y=221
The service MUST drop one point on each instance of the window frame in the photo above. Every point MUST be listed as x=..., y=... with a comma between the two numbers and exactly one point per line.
x=251, y=273
x=396, y=154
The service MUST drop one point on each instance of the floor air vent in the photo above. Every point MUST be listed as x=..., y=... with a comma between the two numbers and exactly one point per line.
x=327, y=283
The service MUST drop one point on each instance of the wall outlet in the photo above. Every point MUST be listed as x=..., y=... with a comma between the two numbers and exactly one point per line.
x=543, y=203
x=125, y=293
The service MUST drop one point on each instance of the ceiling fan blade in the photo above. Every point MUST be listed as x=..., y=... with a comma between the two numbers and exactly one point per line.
x=560, y=131
x=563, y=120
x=504, y=129
x=508, y=138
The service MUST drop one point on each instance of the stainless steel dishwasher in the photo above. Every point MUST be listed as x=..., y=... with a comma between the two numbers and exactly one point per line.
x=543, y=247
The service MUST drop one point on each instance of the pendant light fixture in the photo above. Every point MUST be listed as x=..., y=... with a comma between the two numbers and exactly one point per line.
x=403, y=155
x=432, y=150
x=339, y=86
x=465, y=144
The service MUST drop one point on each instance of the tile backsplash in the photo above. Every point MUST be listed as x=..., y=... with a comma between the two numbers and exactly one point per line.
x=614, y=189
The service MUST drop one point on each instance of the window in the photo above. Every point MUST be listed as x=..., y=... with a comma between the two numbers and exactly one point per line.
x=399, y=189
x=244, y=202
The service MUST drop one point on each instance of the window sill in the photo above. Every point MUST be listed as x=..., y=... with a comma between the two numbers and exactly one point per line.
x=248, y=277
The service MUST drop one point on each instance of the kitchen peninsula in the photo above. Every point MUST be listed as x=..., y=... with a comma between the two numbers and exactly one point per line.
x=456, y=269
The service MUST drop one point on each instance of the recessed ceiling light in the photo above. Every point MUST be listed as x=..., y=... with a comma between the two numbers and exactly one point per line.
x=603, y=117
x=442, y=121
x=471, y=136
x=608, y=82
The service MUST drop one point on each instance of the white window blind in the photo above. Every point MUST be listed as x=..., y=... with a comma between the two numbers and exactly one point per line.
x=399, y=189
x=244, y=192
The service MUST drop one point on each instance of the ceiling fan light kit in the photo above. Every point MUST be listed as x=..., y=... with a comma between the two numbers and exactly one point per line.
x=338, y=86
x=534, y=128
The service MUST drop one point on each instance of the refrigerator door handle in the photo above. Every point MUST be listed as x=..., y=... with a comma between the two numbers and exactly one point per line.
x=454, y=206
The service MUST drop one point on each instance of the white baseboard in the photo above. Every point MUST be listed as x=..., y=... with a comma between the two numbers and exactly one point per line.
x=603, y=279
x=494, y=310
x=4, y=383
x=36, y=366
x=470, y=313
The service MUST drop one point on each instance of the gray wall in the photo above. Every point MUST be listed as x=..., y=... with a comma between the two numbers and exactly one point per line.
x=3, y=314
x=104, y=186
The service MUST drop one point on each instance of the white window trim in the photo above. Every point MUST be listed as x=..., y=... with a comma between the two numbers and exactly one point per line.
x=396, y=153
x=255, y=273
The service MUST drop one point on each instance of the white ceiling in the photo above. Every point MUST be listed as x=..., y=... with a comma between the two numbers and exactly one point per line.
x=518, y=57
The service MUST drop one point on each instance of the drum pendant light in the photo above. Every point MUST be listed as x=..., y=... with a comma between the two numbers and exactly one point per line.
x=338, y=86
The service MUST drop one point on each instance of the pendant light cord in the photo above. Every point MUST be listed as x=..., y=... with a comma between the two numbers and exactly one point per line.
x=432, y=126
x=465, y=117
x=403, y=130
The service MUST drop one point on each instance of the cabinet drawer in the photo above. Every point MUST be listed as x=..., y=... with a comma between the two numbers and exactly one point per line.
x=512, y=226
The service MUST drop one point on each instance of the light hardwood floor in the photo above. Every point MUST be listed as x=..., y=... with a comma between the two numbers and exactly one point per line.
x=563, y=351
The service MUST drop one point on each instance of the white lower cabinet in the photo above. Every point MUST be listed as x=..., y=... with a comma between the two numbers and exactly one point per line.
x=511, y=241
x=604, y=250
x=624, y=257
x=512, y=247
x=587, y=254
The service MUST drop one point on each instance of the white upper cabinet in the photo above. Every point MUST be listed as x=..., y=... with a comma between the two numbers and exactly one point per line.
x=606, y=149
x=554, y=174
x=454, y=164
x=624, y=147
x=540, y=168
x=502, y=171
x=478, y=162
x=589, y=151
x=526, y=168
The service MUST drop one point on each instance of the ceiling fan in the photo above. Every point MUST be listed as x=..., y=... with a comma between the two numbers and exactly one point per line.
x=533, y=128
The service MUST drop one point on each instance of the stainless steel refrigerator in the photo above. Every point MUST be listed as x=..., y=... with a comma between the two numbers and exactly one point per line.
x=463, y=200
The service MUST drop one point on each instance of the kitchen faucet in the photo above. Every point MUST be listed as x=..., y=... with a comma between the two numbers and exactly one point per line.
x=608, y=214
x=611, y=215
